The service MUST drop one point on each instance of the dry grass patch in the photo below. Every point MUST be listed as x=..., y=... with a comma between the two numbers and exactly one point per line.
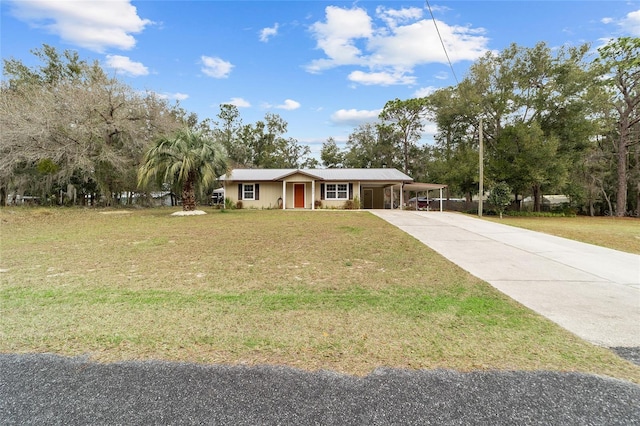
x=616, y=233
x=337, y=290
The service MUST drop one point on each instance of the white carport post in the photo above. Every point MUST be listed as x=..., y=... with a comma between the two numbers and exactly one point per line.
x=440, y=199
x=284, y=194
x=313, y=195
x=401, y=195
x=392, y=194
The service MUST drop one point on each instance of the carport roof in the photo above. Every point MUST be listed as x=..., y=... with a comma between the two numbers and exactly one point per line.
x=419, y=186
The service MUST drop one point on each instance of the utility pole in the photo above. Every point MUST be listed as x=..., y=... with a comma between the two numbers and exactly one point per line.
x=481, y=189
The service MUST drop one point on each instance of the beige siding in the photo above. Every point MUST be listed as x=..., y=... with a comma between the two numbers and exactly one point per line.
x=298, y=177
x=269, y=194
x=337, y=204
x=333, y=204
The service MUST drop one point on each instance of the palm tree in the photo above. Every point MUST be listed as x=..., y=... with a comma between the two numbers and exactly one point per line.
x=188, y=160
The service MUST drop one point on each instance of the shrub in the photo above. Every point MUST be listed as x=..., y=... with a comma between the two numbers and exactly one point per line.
x=500, y=197
x=318, y=204
x=356, y=202
x=228, y=204
x=534, y=214
x=238, y=204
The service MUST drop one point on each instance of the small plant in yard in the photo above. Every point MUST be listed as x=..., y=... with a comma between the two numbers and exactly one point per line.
x=500, y=197
x=238, y=205
x=352, y=204
x=228, y=204
x=318, y=204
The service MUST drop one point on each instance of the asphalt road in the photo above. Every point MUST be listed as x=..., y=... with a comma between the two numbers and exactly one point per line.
x=53, y=390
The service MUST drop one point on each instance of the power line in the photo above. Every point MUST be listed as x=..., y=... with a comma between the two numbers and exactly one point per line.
x=442, y=42
x=480, y=147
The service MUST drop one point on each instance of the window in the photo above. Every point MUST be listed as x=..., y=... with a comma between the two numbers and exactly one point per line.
x=336, y=191
x=248, y=191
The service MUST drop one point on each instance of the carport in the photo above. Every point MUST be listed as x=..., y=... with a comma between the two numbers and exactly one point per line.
x=419, y=187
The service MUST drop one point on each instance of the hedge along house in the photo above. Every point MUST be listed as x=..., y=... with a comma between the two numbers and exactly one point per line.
x=314, y=188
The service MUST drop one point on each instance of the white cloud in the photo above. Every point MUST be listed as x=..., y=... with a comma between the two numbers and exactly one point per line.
x=424, y=92
x=354, y=117
x=393, y=17
x=124, y=65
x=239, y=102
x=606, y=20
x=215, y=67
x=442, y=75
x=390, y=44
x=173, y=96
x=418, y=43
x=337, y=37
x=267, y=33
x=381, y=78
x=631, y=23
x=430, y=130
x=289, y=105
x=94, y=25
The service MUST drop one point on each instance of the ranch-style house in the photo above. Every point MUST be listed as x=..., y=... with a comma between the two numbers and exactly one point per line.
x=319, y=188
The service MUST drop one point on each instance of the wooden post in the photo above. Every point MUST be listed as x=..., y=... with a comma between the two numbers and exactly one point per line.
x=481, y=179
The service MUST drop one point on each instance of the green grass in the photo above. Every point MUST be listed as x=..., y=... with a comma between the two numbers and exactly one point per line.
x=329, y=289
x=616, y=233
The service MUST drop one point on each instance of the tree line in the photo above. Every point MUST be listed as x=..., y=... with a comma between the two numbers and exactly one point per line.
x=553, y=122
x=72, y=134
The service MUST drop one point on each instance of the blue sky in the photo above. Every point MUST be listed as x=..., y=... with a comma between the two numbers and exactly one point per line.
x=323, y=66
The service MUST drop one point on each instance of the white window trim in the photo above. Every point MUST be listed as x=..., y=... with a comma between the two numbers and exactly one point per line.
x=253, y=191
x=326, y=191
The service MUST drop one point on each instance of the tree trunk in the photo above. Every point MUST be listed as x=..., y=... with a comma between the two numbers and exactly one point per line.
x=621, y=199
x=188, y=195
x=406, y=154
x=636, y=175
x=638, y=201
x=536, y=198
x=606, y=197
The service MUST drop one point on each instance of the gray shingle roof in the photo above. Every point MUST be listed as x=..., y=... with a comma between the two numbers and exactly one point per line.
x=251, y=175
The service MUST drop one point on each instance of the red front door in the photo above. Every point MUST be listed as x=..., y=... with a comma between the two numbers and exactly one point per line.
x=298, y=195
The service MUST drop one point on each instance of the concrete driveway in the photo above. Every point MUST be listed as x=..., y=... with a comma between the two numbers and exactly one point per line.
x=591, y=291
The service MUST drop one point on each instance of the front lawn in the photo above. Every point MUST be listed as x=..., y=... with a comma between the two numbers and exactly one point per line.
x=612, y=232
x=338, y=290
